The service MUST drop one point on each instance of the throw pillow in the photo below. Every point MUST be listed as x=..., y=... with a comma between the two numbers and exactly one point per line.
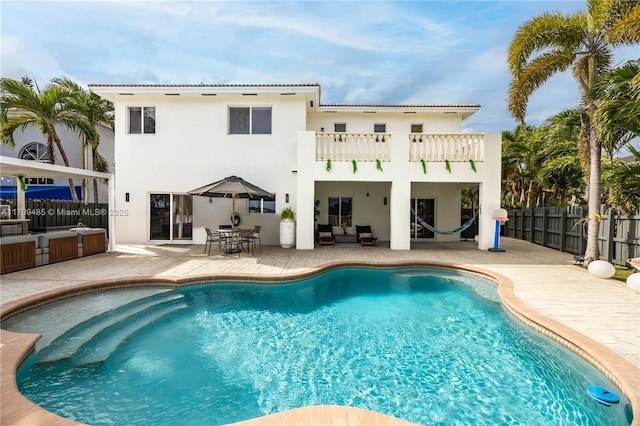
x=324, y=235
x=366, y=235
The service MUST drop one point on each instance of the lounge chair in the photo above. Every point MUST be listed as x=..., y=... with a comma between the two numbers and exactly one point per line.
x=365, y=236
x=325, y=235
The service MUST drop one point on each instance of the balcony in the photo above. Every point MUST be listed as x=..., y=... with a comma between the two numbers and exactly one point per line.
x=369, y=147
x=353, y=146
x=446, y=146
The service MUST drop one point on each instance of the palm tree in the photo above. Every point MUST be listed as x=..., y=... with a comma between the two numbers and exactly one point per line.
x=99, y=112
x=619, y=113
x=42, y=109
x=554, y=42
x=623, y=180
x=561, y=157
x=519, y=151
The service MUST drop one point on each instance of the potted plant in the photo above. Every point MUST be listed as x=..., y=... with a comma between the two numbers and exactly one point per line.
x=287, y=228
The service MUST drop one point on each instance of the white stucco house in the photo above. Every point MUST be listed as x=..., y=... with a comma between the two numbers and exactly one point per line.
x=377, y=165
x=30, y=144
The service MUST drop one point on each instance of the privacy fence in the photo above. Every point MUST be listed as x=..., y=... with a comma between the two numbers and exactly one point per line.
x=50, y=215
x=565, y=229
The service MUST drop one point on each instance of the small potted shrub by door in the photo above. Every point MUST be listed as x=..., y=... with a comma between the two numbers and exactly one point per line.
x=287, y=228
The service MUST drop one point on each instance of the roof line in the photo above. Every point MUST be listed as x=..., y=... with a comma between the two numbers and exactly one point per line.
x=402, y=105
x=205, y=85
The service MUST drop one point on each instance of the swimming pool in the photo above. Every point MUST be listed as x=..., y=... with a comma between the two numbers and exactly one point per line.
x=428, y=346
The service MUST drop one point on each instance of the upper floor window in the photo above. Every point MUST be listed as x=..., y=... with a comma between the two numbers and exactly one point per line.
x=416, y=128
x=142, y=120
x=380, y=128
x=34, y=151
x=250, y=120
x=339, y=127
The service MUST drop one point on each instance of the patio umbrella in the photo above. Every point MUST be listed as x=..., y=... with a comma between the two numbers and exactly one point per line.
x=232, y=187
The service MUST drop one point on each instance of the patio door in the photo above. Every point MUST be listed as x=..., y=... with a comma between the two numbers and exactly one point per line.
x=170, y=217
x=423, y=209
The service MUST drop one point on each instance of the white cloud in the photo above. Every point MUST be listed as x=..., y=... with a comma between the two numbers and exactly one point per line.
x=21, y=59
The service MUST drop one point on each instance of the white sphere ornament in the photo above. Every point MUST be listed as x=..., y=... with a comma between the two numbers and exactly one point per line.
x=633, y=281
x=601, y=269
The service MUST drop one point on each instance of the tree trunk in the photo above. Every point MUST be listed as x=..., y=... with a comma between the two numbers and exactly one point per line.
x=56, y=139
x=593, y=219
x=95, y=190
x=595, y=158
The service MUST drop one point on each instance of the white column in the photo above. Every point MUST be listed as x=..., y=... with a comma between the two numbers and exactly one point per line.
x=111, y=205
x=400, y=217
x=305, y=189
x=490, y=189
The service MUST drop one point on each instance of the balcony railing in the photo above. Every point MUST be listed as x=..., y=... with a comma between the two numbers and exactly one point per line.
x=446, y=146
x=369, y=147
x=352, y=146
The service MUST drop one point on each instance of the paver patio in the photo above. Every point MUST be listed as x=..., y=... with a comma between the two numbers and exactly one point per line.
x=547, y=281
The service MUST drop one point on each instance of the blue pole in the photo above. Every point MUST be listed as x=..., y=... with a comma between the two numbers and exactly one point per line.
x=496, y=239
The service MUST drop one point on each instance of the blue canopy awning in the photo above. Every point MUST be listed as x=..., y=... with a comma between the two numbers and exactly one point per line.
x=37, y=192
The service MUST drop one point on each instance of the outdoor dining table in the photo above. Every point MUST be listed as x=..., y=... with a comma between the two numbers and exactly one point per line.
x=232, y=240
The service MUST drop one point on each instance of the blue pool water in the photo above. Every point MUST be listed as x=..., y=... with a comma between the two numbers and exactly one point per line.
x=427, y=346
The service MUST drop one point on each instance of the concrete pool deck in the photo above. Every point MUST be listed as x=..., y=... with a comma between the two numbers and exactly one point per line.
x=600, y=317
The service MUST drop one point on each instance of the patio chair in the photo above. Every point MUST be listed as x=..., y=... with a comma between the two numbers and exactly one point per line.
x=325, y=235
x=243, y=238
x=365, y=236
x=255, y=235
x=212, y=237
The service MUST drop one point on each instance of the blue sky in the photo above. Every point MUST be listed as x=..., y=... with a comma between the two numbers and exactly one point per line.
x=359, y=51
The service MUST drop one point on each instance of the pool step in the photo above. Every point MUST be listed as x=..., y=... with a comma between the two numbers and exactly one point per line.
x=107, y=341
x=68, y=344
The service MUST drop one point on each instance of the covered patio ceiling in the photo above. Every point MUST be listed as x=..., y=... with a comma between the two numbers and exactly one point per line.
x=10, y=166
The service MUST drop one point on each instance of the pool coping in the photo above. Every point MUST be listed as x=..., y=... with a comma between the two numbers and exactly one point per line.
x=16, y=409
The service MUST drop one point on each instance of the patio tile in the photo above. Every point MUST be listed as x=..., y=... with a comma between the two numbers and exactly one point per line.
x=545, y=280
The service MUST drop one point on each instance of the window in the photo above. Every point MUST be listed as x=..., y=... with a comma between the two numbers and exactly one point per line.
x=34, y=151
x=268, y=205
x=339, y=127
x=142, y=120
x=380, y=128
x=340, y=209
x=38, y=152
x=416, y=128
x=250, y=120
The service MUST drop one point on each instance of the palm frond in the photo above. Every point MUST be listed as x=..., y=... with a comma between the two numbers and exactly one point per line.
x=532, y=76
x=548, y=31
x=623, y=23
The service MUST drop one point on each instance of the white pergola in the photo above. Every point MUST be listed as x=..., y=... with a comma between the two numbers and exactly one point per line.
x=16, y=167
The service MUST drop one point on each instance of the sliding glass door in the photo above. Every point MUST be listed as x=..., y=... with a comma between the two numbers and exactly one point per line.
x=170, y=217
x=422, y=211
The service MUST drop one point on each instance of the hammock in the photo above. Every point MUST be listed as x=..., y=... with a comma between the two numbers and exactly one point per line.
x=454, y=231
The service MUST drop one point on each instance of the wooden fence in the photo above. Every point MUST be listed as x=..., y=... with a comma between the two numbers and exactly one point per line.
x=49, y=215
x=565, y=229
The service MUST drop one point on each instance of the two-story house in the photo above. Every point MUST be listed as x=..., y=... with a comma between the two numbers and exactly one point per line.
x=388, y=166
